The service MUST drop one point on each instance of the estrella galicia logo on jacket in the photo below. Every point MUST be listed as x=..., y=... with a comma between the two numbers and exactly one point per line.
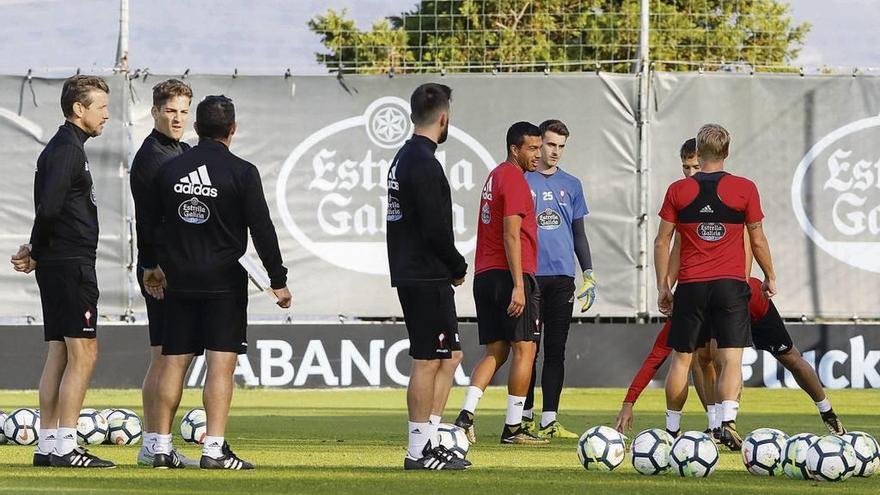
x=194, y=211
x=711, y=231
x=835, y=193
x=333, y=190
x=197, y=182
x=549, y=219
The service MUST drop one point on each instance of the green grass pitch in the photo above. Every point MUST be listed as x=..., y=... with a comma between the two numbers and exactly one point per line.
x=353, y=442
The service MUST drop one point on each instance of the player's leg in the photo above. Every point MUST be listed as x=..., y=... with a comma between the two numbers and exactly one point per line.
x=443, y=385
x=557, y=301
x=494, y=356
x=528, y=418
x=705, y=378
x=685, y=329
x=677, y=389
x=50, y=381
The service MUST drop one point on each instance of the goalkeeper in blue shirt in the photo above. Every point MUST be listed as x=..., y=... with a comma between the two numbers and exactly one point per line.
x=560, y=208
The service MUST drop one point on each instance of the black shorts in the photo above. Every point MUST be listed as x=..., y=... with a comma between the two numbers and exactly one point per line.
x=722, y=304
x=431, y=322
x=155, y=312
x=69, y=296
x=769, y=333
x=492, y=290
x=195, y=325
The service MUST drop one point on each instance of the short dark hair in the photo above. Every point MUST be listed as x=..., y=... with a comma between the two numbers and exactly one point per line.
x=427, y=101
x=79, y=89
x=166, y=90
x=554, y=126
x=215, y=117
x=520, y=130
x=688, y=149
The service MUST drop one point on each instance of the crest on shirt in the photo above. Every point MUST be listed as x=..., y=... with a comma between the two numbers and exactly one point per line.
x=711, y=231
x=549, y=219
x=485, y=215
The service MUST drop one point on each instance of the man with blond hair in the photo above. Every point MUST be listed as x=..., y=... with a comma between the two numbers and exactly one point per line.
x=710, y=210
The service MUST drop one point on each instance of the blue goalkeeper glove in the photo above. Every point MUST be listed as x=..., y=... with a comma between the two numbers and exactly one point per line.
x=587, y=293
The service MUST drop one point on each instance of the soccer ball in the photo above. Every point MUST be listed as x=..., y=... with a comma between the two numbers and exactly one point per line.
x=794, y=462
x=194, y=426
x=601, y=448
x=3, y=439
x=831, y=458
x=694, y=455
x=22, y=426
x=867, y=453
x=774, y=431
x=125, y=427
x=650, y=451
x=92, y=427
x=454, y=439
x=763, y=452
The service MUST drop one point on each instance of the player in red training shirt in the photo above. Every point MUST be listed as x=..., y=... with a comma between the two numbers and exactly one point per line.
x=505, y=290
x=710, y=210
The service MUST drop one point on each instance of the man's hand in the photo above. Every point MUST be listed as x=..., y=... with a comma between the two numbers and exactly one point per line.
x=664, y=300
x=769, y=287
x=22, y=261
x=517, y=301
x=624, y=418
x=284, y=297
x=155, y=282
x=587, y=293
x=457, y=282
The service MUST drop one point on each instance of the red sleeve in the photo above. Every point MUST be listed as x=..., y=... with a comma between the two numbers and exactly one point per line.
x=652, y=363
x=753, y=204
x=668, y=211
x=516, y=195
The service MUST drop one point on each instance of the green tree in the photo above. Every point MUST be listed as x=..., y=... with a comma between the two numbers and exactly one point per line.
x=524, y=35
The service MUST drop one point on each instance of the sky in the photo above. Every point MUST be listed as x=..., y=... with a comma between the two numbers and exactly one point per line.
x=269, y=36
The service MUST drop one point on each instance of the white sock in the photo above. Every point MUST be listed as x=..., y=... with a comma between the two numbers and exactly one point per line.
x=514, y=410
x=435, y=419
x=213, y=447
x=150, y=441
x=547, y=417
x=419, y=435
x=673, y=420
x=710, y=415
x=46, y=443
x=65, y=441
x=529, y=413
x=823, y=405
x=729, y=409
x=162, y=444
x=471, y=398
x=719, y=412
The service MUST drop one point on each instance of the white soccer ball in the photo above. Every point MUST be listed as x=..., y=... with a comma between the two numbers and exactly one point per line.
x=693, y=455
x=3, y=439
x=831, y=458
x=194, y=426
x=125, y=427
x=763, y=452
x=601, y=449
x=794, y=462
x=774, y=431
x=454, y=439
x=867, y=453
x=91, y=427
x=650, y=451
x=22, y=426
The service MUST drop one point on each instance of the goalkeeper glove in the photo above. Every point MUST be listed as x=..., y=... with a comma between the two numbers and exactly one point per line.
x=587, y=293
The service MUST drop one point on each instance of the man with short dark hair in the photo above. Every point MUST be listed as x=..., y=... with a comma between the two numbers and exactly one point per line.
x=424, y=265
x=63, y=250
x=170, y=112
x=560, y=209
x=505, y=290
x=201, y=206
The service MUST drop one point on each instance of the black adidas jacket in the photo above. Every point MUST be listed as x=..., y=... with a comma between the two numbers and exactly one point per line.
x=66, y=214
x=156, y=149
x=421, y=245
x=202, y=204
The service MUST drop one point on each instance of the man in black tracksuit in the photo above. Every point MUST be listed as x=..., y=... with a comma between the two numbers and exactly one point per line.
x=63, y=249
x=424, y=266
x=170, y=112
x=201, y=205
